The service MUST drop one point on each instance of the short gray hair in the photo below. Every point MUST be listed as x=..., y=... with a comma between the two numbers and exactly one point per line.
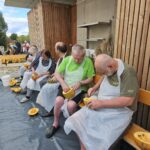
x=78, y=49
x=33, y=49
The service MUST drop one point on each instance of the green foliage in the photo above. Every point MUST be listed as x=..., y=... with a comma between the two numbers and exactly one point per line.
x=13, y=36
x=3, y=29
x=23, y=38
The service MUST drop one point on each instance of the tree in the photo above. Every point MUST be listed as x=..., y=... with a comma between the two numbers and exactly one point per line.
x=23, y=38
x=13, y=36
x=3, y=29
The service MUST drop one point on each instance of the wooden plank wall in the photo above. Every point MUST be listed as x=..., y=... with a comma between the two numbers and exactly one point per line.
x=132, y=44
x=35, y=21
x=73, y=24
x=59, y=25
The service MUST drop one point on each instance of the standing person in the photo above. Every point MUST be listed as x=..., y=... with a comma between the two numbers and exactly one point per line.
x=25, y=47
x=45, y=67
x=48, y=93
x=75, y=71
x=108, y=114
x=18, y=47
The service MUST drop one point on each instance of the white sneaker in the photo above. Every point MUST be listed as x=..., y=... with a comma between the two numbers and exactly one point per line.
x=23, y=100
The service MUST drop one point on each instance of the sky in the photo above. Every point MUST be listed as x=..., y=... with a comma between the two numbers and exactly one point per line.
x=16, y=19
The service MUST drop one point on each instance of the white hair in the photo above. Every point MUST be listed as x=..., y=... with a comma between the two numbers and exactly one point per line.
x=78, y=49
x=33, y=49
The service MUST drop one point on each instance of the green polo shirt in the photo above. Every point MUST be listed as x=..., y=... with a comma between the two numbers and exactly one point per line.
x=88, y=68
x=129, y=84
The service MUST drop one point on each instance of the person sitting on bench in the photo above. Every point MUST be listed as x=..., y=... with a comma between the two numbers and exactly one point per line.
x=48, y=93
x=109, y=112
x=77, y=72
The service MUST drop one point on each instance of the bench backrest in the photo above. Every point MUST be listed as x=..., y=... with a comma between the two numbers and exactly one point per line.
x=144, y=97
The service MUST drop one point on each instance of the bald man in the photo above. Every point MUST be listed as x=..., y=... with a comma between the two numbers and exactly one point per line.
x=110, y=111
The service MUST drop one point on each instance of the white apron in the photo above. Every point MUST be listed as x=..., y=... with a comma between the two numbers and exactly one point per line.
x=22, y=69
x=35, y=85
x=99, y=129
x=71, y=78
x=26, y=77
x=48, y=93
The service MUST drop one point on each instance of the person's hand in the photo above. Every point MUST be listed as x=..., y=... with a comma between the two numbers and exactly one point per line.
x=33, y=71
x=76, y=86
x=39, y=76
x=91, y=91
x=65, y=88
x=94, y=104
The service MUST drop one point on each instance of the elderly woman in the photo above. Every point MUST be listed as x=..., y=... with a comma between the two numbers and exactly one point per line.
x=109, y=112
x=75, y=71
x=45, y=67
x=49, y=91
x=28, y=73
x=33, y=50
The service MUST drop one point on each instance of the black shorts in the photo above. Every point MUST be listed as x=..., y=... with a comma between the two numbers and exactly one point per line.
x=78, y=98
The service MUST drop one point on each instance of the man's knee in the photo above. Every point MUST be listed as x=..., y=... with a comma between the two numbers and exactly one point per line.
x=71, y=106
x=59, y=101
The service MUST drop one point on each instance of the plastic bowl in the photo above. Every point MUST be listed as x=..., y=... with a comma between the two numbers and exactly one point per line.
x=33, y=111
x=143, y=140
x=70, y=94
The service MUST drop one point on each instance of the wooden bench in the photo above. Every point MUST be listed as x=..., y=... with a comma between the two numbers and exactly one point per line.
x=144, y=98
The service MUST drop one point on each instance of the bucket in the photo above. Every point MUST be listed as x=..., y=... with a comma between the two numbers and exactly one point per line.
x=5, y=80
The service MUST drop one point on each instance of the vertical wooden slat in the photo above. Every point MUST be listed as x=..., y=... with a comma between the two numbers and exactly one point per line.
x=146, y=61
x=134, y=32
x=121, y=28
x=139, y=34
x=132, y=44
x=148, y=123
x=148, y=81
x=74, y=24
x=143, y=42
x=130, y=26
x=117, y=27
x=57, y=24
x=136, y=51
x=126, y=18
x=148, y=88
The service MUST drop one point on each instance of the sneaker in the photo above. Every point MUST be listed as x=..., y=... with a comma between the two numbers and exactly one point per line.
x=49, y=114
x=23, y=100
x=51, y=131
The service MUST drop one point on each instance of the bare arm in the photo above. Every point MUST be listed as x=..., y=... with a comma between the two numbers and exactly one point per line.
x=29, y=59
x=112, y=103
x=92, y=90
x=83, y=82
x=86, y=81
x=97, y=85
x=64, y=85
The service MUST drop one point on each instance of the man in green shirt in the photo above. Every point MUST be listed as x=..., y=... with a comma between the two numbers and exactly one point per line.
x=110, y=110
x=75, y=71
